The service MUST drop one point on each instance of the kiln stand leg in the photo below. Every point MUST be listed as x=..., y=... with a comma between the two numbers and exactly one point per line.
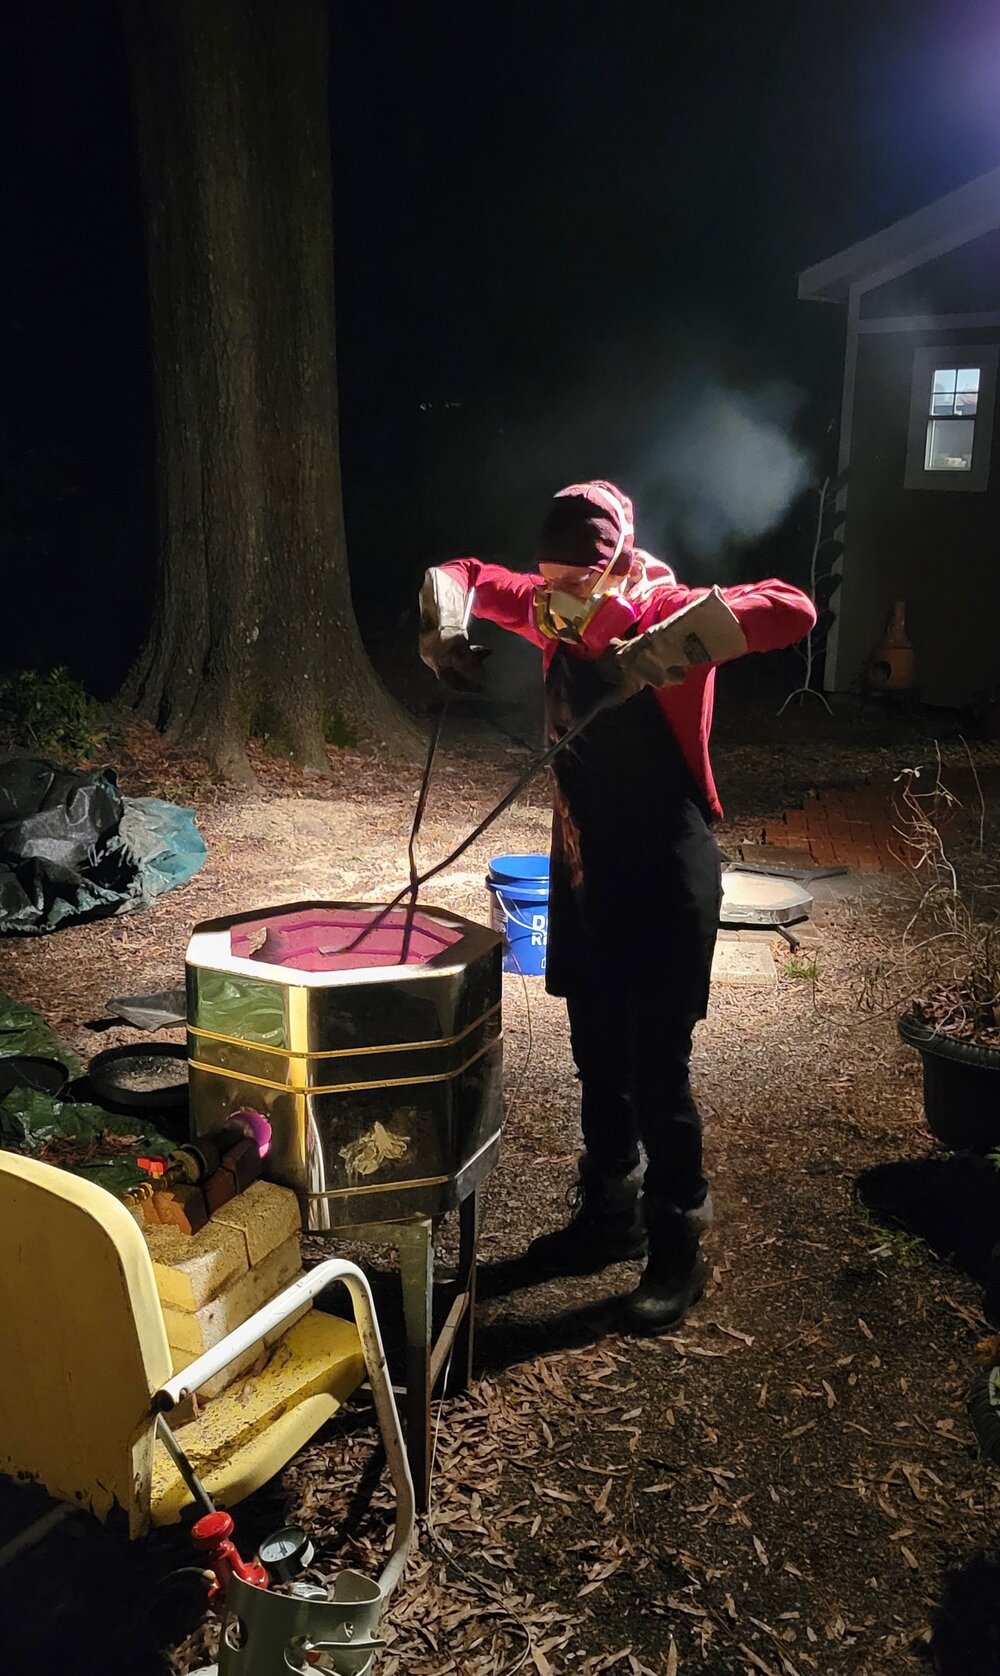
x=426, y=1358
x=415, y=1242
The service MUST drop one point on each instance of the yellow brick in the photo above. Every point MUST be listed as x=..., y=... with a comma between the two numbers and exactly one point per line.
x=191, y=1268
x=198, y=1330
x=265, y=1215
x=182, y=1359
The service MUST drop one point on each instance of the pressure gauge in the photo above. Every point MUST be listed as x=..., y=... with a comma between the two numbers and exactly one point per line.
x=287, y=1553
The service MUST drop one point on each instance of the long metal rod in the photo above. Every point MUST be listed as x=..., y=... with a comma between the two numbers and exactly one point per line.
x=516, y=789
x=418, y=815
x=533, y=768
x=274, y=1315
x=197, y=1489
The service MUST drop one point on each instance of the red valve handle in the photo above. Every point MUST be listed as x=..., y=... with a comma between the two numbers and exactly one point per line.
x=212, y=1535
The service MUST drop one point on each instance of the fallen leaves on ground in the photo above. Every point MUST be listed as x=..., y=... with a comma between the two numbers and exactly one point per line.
x=781, y=1487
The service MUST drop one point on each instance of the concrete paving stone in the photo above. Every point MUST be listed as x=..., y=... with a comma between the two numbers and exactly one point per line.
x=745, y=964
x=809, y=934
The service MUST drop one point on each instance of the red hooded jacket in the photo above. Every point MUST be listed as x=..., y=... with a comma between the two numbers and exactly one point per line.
x=771, y=614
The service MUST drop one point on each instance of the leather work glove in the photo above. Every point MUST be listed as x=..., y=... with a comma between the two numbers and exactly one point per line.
x=445, y=609
x=705, y=632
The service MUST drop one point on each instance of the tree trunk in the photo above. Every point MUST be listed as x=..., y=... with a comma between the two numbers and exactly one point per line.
x=254, y=630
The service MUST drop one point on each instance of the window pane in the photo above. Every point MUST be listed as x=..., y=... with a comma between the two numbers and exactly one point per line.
x=966, y=403
x=945, y=379
x=968, y=378
x=949, y=445
x=943, y=404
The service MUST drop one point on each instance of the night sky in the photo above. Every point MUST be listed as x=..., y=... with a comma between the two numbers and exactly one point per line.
x=556, y=225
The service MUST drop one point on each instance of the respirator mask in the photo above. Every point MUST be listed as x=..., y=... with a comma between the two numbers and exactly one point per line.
x=561, y=615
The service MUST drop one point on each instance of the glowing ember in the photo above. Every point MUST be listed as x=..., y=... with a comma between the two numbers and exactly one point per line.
x=256, y=1126
x=320, y=939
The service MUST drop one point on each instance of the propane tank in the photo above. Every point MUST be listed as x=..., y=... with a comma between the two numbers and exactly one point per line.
x=271, y=1621
x=893, y=666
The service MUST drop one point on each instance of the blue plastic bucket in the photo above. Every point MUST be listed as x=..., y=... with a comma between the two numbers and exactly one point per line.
x=519, y=887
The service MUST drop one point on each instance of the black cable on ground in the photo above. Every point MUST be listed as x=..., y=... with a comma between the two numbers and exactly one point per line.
x=123, y=1633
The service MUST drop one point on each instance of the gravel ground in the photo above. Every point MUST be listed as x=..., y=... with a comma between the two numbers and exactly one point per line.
x=788, y=1485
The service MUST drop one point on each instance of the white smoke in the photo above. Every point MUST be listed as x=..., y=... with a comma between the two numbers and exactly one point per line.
x=725, y=472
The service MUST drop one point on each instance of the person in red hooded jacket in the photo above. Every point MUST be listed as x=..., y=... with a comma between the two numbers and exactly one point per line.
x=635, y=870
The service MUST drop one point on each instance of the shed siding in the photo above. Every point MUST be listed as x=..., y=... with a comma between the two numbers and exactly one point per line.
x=939, y=551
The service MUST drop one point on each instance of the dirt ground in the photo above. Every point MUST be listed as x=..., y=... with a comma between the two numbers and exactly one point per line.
x=789, y=1485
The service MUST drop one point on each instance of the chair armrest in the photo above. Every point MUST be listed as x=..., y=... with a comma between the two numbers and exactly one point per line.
x=268, y=1319
x=273, y=1315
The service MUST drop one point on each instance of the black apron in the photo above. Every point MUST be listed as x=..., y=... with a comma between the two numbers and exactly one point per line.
x=635, y=883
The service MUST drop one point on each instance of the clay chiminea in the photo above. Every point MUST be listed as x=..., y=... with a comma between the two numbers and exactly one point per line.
x=893, y=666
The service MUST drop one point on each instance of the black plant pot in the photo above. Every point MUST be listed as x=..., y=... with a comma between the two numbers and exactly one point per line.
x=961, y=1087
x=148, y=1080
x=46, y=1076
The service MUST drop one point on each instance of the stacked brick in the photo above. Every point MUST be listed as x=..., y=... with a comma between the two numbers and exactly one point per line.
x=212, y=1281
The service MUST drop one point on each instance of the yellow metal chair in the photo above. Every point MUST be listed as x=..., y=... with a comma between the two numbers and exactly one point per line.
x=87, y=1369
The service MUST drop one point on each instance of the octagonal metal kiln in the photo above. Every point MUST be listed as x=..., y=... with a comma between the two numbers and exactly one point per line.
x=378, y=1066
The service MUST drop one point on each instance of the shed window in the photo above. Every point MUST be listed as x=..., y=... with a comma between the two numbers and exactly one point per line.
x=951, y=426
x=951, y=419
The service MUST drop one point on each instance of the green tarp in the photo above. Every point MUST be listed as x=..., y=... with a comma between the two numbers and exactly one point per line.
x=23, y=1033
x=35, y=1123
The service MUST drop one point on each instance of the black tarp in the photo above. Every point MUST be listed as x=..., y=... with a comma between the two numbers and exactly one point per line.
x=72, y=848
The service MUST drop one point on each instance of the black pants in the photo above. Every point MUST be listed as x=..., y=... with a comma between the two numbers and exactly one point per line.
x=633, y=1053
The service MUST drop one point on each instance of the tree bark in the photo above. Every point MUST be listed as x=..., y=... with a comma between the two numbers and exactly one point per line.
x=254, y=630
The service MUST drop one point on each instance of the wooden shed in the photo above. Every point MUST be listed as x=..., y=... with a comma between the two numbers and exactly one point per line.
x=918, y=442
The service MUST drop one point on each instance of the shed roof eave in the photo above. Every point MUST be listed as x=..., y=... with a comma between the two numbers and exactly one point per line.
x=959, y=216
x=833, y=293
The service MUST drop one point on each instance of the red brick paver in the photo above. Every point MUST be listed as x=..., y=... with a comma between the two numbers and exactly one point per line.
x=858, y=826
x=844, y=828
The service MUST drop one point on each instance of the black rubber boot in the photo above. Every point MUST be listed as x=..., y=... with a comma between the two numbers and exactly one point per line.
x=675, y=1275
x=606, y=1227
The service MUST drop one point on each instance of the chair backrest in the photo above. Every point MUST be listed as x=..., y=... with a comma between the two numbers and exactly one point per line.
x=82, y=1341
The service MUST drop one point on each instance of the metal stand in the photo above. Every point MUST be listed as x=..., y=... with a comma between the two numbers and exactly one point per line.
x=426, y=1357
x=35, y=1533
x=265, y=1630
